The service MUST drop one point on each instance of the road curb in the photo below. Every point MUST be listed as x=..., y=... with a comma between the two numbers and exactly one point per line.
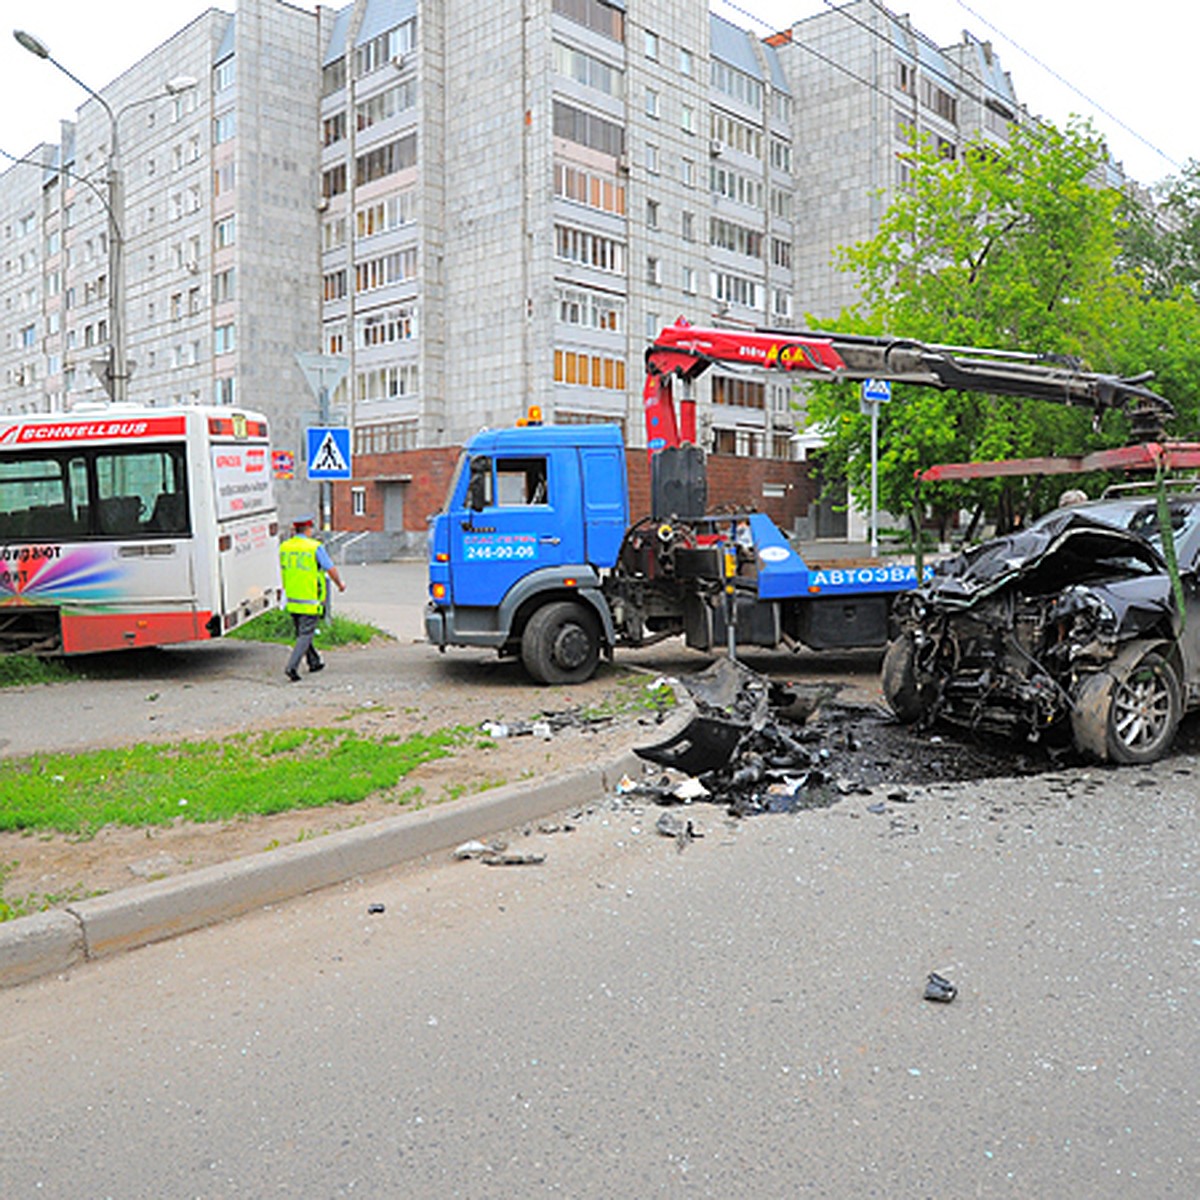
x=51, y=942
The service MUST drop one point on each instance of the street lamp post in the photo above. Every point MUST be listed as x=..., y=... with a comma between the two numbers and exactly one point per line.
x=117, y=382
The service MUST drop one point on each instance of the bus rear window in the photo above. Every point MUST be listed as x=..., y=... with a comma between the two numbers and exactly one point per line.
x=99, y=493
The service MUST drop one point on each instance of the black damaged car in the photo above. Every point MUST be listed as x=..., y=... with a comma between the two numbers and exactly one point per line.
x=1067, y=632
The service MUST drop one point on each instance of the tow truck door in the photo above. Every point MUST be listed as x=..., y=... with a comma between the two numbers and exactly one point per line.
x=513, y=516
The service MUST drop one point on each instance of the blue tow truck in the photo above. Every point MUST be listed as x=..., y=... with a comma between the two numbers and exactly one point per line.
x=533, y=553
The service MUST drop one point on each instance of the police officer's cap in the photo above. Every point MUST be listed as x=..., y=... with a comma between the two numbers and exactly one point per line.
x=302, y=520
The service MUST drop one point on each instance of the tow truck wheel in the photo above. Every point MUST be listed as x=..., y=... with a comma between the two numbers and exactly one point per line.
x=898, y=677
x=1144, y=710
x=561, y=643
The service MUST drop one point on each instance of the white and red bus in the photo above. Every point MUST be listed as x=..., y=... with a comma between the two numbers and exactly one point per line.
x=132, y=526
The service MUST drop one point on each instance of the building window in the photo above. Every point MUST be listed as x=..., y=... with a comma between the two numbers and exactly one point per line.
x=687, y=64
x=580, y=369
x=587, y=129
x=651, y=214
x=687, y=118
x=333, y=129
x=386, y=105
x=735, y=289
x=223, y=391
x=689, y=281
x=386, y=327
x=224, y=339
x=333, y=234
x=589, y=249
x=386, y=160
x=652, y=158
x=387, y=269
x=333, y=181
x=333, y=77
x=738, y=392
x=728, y=235
x=590, y=310
x=939, y=101
x=652, y=45
x=591, y=72
x=906, y=77
x=358, y=501
x=385, y=48
x=223, y=233
x=605, y=19
x=224, y=75
x=587, y=187
x=224, y=178
x=224, y=127
x=688, y=226
x=652, y=103
x=781, y=253
x=736, y=84
x=335, y=285
x=653, y=270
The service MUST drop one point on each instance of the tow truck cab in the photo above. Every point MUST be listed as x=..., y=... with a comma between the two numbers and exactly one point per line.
x=534, y=514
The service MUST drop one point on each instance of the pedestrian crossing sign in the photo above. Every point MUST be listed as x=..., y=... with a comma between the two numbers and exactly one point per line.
x=328, y=452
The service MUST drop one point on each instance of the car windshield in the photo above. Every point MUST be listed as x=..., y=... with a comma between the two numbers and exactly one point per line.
x=1140, y=515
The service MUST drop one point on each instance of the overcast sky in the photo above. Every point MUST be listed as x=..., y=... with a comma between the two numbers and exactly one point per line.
x=1131, y=65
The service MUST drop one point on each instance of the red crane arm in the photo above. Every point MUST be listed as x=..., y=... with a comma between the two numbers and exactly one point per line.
x=687, y=351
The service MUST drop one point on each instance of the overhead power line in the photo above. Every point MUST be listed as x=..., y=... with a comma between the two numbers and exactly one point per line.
x=1035, y=122
x=1066, y=83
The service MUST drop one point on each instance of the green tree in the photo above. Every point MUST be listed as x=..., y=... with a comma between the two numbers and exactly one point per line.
x=1161, y=235
x=1013, y=247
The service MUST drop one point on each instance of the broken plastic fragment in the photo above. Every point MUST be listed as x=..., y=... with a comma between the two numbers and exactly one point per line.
x=375, y=909
x=938, y=988
x=689, y=789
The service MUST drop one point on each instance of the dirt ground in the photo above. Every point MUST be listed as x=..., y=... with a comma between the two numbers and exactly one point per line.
x=599, y=721
x=403, y=687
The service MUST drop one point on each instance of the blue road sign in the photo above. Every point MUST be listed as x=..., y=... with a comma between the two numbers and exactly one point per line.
x=877, y=391
x=327, y=451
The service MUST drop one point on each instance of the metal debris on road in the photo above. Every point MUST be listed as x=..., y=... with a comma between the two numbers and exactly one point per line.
x=512, y=858
x=939, y=988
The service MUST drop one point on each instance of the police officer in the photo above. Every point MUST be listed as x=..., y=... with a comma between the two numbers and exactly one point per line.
x=304, y=563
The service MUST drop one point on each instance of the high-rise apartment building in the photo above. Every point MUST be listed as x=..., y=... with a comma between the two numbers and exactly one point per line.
x=476, y=209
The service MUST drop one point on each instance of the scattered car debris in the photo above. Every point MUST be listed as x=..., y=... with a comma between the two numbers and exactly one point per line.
x=512, y=858
x=375, y=909
x=939, y=988
x=683, y=831
x=744, y=741
x=476, y=849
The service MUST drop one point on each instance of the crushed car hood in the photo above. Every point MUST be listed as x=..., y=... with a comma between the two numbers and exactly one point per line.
x=1068, y=549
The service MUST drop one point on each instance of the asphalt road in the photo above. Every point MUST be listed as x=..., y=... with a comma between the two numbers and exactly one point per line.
x=744, y=1018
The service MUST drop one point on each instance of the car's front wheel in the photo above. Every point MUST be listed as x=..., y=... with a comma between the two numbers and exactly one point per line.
x=1144, y=710
x=902, y=689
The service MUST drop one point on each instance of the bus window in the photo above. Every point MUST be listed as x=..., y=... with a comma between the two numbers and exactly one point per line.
x=33, y=499
x=141, y=492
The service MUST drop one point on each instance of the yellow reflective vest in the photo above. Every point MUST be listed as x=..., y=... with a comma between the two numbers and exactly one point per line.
x=303, y=579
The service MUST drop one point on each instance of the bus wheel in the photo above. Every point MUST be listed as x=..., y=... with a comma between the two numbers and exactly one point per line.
x=561, y=643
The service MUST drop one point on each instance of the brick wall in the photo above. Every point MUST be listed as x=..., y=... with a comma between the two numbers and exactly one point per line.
x=732, y=483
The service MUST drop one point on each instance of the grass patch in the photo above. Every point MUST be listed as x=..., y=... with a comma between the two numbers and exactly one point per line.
x=632, y=696
x=275, y=625
x=253, y=774
x=19, y=669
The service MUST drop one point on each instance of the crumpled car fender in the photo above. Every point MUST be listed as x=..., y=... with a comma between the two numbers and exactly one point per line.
x=1089, y=713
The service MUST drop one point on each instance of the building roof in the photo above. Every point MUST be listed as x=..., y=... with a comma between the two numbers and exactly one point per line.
x=734, y=46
